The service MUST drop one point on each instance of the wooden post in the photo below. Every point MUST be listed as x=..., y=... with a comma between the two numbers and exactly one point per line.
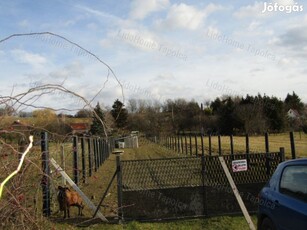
x=266, y=138
x=76, y=188
x=45, y=183
x=237, y=194
x=75, y=160
x=293, y=153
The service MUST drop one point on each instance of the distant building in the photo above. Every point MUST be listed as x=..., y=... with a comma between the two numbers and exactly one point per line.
x=293, y=114
x=79, y=128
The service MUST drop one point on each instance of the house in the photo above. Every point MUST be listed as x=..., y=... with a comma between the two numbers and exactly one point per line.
x=79, y=128
x=293, y=114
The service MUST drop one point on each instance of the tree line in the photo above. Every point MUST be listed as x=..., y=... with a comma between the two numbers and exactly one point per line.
x=224, y=115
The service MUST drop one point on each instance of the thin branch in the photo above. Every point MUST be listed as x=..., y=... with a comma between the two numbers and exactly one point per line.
x=19, y=166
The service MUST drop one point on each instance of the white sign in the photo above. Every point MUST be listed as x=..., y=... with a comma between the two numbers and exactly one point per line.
x=239, y=165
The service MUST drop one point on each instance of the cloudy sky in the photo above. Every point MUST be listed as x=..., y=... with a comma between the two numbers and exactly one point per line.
x=157, y=49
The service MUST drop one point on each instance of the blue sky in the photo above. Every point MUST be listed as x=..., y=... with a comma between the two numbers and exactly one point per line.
x=158, y=49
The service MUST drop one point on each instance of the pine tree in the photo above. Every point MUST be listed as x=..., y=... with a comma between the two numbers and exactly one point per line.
x=97, y=127
x=119, y=113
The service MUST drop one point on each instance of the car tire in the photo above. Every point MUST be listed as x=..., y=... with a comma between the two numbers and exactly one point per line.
x=267, y=224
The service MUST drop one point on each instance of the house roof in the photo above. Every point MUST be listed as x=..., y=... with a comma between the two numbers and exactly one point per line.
x=79, y=126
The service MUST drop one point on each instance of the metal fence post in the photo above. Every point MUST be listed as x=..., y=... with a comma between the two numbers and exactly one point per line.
x=281, y=154
x=45, y=183
x=220, y=145
x=83, y=159
x=231, y=147
x=266, y=138
x=119, y=188
x=196, y=148
x=190, y=145
x=202, y=145
x=293, y=153
x=89, y=147
x=247, y=148
x=95, y=154
x=75, y=160
x=210, y=146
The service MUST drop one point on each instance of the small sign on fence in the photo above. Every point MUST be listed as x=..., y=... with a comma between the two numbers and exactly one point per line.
x=239, y=165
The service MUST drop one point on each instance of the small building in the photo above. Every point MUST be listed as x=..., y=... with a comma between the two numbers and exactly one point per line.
x=293, y=114
x=80, y=128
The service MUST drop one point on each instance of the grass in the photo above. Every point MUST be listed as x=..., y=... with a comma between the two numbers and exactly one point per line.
x=256, y=144
x=96, y=185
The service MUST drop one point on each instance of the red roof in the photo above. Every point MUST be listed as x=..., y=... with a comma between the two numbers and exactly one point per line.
x=79, y=126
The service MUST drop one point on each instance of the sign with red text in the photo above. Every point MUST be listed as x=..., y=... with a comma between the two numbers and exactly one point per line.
x=239, y=165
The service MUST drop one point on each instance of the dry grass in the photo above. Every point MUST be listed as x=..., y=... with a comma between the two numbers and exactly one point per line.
x=256, y=144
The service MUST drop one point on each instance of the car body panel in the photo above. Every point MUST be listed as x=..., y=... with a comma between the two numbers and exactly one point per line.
x=284, y=210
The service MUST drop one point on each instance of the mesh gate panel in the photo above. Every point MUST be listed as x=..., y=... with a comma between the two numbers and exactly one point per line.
x=161, y=173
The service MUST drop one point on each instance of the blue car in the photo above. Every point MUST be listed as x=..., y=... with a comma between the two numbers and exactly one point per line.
x=283, y=200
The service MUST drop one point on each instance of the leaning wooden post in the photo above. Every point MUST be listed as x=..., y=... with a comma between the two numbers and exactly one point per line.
x=45, y=183
x=293, y=153
x=75, y=160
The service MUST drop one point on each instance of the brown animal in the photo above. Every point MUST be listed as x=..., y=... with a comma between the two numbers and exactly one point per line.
x=67, y=198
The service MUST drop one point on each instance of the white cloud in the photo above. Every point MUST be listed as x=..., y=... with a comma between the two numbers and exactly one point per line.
x=187, y=16
x=22, y=56
x=140, y=8
x=251, y=11
x=73, y=70
x=143, y=40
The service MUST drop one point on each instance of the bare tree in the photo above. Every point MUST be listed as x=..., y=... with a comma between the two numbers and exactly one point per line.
x=20, y=198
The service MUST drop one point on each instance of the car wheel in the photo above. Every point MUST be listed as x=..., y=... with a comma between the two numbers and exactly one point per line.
x=267, y=224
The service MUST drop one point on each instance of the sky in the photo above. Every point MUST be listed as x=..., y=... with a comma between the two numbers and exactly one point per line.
x=151, y=50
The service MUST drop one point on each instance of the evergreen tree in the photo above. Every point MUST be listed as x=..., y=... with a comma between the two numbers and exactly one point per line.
x=294, y=102
x=120, y=114
x=97, y=127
